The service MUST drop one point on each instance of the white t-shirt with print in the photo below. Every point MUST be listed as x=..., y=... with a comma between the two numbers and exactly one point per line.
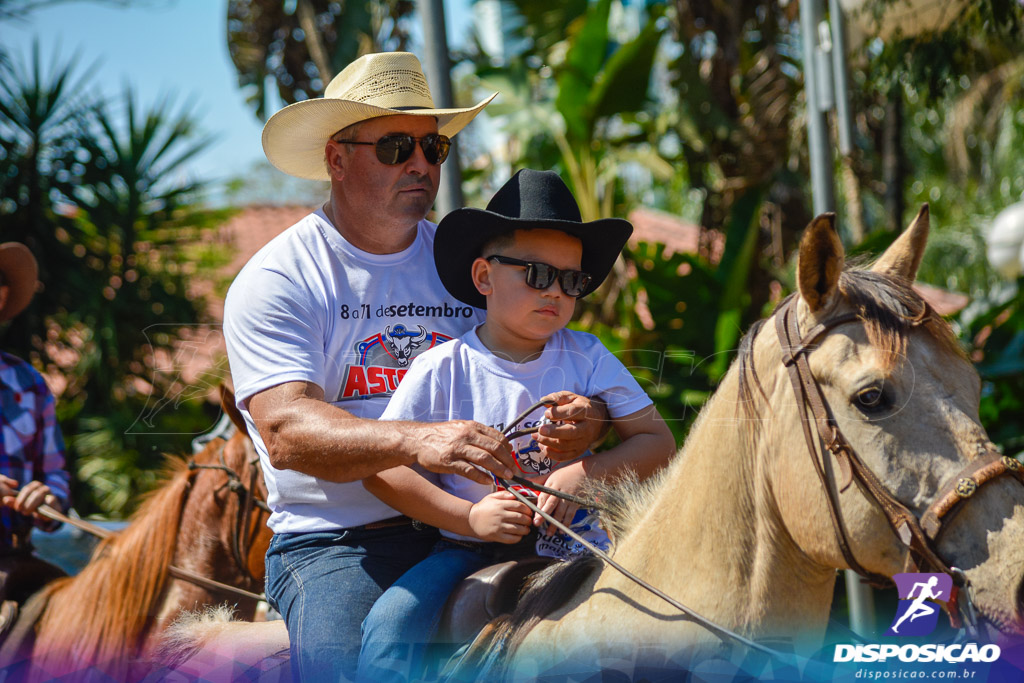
x=309, y=306
x=463, y=380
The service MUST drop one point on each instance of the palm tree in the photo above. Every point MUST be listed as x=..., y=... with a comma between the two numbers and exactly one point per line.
x=40, y=133
x=302, y=45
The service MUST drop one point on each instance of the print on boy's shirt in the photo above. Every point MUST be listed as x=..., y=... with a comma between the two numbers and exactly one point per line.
x=526, y=449
x=530, y=460
x=383, y=360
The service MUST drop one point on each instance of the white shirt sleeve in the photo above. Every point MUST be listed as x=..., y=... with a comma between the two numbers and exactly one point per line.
x=420, y=397
x=274, y=334
x=616, y=386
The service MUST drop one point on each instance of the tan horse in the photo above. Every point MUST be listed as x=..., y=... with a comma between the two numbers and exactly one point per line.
x=203, y=519
x=738, y=527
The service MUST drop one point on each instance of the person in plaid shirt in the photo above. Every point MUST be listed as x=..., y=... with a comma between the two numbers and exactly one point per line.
x=31, y=447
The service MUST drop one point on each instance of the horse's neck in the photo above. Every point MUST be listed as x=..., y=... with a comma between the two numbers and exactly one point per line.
x=714, y=539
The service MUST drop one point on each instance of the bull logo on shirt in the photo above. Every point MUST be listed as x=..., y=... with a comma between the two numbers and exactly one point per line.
x=384, y=358
x=402, y=342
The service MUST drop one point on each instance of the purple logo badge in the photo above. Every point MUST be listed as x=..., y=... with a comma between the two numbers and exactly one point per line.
x=915, y=615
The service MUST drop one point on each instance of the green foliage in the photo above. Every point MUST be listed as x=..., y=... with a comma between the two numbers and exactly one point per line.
x=666, y=336
x=987, y=33
x=997, y=335
x=95, y=193
x=299, y=46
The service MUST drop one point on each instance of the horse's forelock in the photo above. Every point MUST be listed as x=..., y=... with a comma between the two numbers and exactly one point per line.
x=890, y=309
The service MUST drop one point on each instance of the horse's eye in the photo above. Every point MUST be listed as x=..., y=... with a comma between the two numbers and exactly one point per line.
x=871, y=399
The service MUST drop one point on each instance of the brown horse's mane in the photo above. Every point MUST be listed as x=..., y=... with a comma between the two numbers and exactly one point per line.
x=100, y=615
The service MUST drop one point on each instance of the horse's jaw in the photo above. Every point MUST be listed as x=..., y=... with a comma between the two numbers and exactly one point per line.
x=993, y=560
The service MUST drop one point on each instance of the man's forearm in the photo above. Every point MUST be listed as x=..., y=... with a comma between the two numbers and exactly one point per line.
x=322, y=440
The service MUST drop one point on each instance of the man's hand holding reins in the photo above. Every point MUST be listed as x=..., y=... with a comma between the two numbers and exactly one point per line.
x=463, y=447
x=579, y=423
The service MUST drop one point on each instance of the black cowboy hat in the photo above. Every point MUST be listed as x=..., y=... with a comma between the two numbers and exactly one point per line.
x=529, y=200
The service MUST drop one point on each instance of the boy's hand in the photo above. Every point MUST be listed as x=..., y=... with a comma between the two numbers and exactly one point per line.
x=499, y=517
x=462, y=447
x=583, y=421
x=568, y=479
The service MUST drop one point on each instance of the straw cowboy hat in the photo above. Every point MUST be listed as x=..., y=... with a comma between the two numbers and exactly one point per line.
x=20, y=272
x=530, y=200
x=381, y=84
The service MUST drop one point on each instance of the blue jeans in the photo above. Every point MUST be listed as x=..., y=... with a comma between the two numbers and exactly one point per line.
x=397, y=632
x=324, y=584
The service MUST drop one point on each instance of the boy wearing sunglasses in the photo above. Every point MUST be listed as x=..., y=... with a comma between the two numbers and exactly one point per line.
x=526, y=259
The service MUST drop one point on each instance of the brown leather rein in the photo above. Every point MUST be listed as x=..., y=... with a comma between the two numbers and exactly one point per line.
x=920, y=536
x=241, y=540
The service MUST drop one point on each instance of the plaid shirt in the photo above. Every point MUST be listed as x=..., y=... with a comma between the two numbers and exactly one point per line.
x=31, y=446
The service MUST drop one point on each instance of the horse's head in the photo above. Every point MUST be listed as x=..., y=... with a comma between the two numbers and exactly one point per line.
x=887, y=384
x=229, y=491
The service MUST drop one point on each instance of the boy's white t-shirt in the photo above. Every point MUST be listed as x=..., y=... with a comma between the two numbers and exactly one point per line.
x=309, y=306
x=463, y=380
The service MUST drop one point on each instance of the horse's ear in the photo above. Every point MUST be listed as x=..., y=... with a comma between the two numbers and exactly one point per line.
x=820, y=262
x=903, y=257
x=227, y=402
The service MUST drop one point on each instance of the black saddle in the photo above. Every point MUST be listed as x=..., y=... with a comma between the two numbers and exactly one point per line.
x=482, y=596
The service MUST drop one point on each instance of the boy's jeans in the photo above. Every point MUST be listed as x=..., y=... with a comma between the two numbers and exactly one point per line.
x=324, y=583
x=397, y=632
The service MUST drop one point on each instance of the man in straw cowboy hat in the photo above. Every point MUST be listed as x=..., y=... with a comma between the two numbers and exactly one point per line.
x=31, y=448
x=322, y=324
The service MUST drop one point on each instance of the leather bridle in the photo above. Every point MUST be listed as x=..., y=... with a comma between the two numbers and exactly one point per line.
x=241, y=538
x=919, y=536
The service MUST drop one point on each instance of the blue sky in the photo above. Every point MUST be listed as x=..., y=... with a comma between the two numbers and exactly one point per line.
x=161, y=47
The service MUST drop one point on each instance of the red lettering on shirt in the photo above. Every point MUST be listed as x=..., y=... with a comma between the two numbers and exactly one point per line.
x=370, y=380
x=376, y=376
x=355, y=383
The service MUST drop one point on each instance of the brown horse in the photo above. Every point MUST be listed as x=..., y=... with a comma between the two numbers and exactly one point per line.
x=207, y=518
x=740, y=528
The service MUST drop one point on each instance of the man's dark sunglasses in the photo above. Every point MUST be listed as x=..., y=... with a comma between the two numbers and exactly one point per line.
x=541, y=275
x=396, y=148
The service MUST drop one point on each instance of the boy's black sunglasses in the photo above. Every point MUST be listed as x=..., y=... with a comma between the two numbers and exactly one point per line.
x=396, y=148
x=541, y=275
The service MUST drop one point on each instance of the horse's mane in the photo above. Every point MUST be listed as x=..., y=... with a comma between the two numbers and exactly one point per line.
x=100, y=615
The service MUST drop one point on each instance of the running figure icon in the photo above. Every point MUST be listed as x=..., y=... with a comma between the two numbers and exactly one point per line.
x=919, y=608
